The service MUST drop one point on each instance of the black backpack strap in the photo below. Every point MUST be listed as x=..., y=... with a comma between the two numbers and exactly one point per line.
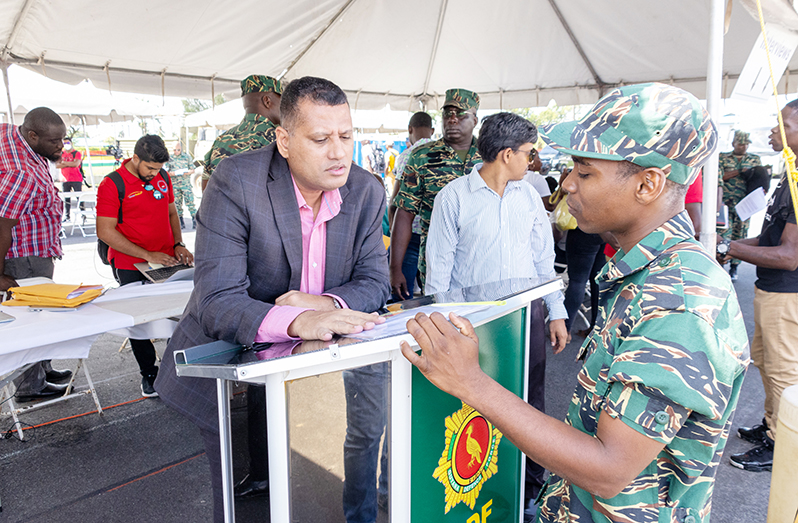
x=120, y=189
x=165, y=176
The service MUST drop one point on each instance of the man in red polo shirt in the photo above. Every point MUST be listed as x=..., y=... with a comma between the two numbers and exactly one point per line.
x=149, y=230
x=70, y=170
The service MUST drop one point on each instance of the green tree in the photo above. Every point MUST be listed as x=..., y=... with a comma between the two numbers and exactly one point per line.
x=195, y=105
x=546, y=116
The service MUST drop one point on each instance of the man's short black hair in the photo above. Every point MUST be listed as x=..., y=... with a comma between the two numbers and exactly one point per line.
x=150, y=148
x=39, y=120
x=421, y=119
x=501, y=131
x=317, y=90
x=793, y=104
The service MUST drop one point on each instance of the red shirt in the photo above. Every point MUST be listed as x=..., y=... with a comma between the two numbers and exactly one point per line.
x=71, y=174
x=27, y=194
x=145, y=220
x=695, y=193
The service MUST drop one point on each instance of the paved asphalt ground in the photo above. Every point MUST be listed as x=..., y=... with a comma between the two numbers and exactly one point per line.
x=141, y=461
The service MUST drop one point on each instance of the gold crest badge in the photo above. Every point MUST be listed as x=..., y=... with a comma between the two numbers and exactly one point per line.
x=469, y=458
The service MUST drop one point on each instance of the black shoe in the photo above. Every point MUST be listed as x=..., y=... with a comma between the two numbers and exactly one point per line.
x=756, y=434
x=49, y=390
x=733, y=273
x=756, y=459
x=249, y=488
x=147, y=390
x=58, y=376
x=182, y=225
x=194, y=222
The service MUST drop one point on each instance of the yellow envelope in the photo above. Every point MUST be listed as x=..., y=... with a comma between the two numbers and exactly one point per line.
x=53, y=295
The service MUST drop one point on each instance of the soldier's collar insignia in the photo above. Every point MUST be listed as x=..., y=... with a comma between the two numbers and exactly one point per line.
x=469, y=457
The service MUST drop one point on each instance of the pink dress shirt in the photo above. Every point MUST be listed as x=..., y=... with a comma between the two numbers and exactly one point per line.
x=275, y=325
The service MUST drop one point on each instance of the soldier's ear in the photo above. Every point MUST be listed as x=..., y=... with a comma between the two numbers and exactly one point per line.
x=650, y=184
x=266, y=101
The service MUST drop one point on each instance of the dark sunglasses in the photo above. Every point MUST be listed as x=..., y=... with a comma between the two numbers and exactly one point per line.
x=458, y=113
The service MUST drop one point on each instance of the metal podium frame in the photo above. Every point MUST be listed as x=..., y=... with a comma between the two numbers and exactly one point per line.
x=201, y=362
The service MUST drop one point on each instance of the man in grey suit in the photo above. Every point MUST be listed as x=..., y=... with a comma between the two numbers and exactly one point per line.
x=254, y=281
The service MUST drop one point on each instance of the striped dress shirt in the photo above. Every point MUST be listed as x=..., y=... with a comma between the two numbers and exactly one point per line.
x=477, y=236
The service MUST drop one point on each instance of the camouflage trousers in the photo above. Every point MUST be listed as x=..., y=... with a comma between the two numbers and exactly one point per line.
x=738, y=229
x=183, y=192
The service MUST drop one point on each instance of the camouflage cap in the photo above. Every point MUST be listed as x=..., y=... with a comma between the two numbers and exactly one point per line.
x=258, y=83
x=651, y=125
x=741, y=138
x=462, y=99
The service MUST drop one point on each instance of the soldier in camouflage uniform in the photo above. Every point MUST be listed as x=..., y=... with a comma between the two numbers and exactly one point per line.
x=730, y=166
x=181, y=182
x=429, y=168
x=261, y=97
x=664, y=365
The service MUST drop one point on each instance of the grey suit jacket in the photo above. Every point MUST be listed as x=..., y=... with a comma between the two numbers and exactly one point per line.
x=249, y=252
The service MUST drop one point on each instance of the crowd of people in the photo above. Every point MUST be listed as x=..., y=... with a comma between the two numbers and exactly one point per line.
x=290, y=246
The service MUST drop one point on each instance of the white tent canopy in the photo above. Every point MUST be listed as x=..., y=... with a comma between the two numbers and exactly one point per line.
x=229, y=114
x=514, y=53
x=78, y=102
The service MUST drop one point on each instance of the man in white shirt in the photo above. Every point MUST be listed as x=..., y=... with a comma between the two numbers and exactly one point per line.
x=491, y=225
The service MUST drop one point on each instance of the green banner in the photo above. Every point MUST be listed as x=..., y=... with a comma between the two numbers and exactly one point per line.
x=462, y=469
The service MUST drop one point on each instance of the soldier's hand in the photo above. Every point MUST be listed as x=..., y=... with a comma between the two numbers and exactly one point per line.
x=161, y=258
x=399, y=284
x=322, y=325
x=449, y=357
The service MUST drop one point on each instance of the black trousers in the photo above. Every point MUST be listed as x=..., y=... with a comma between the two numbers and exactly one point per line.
x=585, y=260
x=71, y=187
x=143, y=350
x=537, y=388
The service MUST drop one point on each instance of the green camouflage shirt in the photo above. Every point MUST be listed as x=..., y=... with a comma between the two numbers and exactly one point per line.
x=176, y=163
x=428, y=169
x=667, y=357
x=734, y=188
x=252, y=133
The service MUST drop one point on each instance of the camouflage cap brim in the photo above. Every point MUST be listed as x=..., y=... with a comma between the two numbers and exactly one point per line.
x=560, y=133
x=650, y=125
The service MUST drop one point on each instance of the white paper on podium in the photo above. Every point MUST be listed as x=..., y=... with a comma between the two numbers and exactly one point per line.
x=751, y=204
x=396, y=323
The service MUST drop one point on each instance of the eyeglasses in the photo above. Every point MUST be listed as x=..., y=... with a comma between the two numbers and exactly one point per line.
x=155, y=194
x=532, y=155
x=458, y=113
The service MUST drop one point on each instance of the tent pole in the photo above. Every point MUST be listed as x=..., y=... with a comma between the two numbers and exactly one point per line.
x=86, y=148
x=4, y=66
x=714, y=81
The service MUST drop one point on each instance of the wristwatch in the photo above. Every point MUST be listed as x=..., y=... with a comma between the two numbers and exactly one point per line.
x=723, y=247
x=178, y=244
x=336, y=303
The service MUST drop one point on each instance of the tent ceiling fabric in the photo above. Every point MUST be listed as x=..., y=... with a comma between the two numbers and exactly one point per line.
x=514, y=53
